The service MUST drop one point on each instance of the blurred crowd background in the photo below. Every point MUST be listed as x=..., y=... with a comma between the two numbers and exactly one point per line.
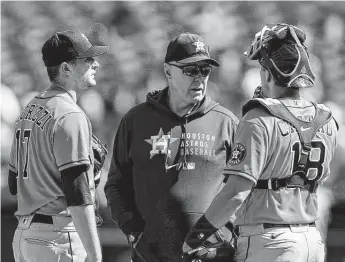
x=138, y=35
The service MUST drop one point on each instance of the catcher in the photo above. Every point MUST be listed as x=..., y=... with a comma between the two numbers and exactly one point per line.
x=283, y=149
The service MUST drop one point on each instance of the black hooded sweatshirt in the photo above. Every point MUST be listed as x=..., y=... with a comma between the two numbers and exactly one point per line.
x=167, y=169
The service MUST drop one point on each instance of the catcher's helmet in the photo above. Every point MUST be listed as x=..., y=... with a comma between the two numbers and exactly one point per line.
x=280, y=49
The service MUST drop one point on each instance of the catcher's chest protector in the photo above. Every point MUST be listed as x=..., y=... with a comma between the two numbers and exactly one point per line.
x=306, y=130
x=276, y=108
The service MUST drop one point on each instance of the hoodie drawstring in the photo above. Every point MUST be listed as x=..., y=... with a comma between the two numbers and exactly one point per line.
x=167, y=167
x=184, y=131
x=178, y=165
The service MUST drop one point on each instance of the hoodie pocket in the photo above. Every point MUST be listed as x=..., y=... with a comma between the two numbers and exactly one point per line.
x=154, y=228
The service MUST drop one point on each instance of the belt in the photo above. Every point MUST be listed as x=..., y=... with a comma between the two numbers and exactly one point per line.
x=290, y=182
x=268, y=225
x=40, y=218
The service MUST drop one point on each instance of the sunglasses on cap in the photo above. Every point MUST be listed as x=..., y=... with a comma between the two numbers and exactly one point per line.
x=193, y=70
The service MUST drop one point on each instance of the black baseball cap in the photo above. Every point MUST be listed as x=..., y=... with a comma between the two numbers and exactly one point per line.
x=67, y=45
x=188, y=48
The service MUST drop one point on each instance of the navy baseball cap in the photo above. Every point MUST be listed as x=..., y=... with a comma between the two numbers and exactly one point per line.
x=68, y=45
x=188, y=48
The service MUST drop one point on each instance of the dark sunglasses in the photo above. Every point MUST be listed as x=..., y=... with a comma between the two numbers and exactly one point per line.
x=193, y=70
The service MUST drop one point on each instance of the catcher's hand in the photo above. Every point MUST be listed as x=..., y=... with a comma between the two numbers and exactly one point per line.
x=99, y=153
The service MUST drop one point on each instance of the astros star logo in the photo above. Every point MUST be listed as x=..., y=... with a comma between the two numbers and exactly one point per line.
x=160, y=144
x=199, y=46
x=238, y=154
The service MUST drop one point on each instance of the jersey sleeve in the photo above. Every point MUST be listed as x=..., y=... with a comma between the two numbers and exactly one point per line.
x=250, y=151
x=71, y=141
x=331, y=147
x=334, y=137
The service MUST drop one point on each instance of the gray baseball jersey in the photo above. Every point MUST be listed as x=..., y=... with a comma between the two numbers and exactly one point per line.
x=51, y=134
x=267, y=147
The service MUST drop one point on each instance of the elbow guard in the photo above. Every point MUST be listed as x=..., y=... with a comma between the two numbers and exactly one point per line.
x=76, y=186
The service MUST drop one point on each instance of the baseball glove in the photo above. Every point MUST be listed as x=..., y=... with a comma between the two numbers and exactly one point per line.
x=99, y=153
x=204, y=243
x=214, y=253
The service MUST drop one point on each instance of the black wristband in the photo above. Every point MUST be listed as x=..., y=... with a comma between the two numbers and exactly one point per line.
x=201, y=231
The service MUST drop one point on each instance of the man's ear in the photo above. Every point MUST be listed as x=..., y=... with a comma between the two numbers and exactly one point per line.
x=167, y=71
x=65, y=68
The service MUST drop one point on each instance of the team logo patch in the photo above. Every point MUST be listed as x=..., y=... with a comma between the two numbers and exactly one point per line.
x=238, y=154
x=199, y=46
x=160, y=144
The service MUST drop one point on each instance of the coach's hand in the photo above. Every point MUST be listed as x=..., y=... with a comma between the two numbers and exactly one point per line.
x=133, y=238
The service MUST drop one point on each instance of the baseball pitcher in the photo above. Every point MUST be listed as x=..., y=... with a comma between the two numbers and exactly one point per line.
x=52, y=165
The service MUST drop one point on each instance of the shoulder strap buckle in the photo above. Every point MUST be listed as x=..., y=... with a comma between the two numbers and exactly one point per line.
x=305, y=151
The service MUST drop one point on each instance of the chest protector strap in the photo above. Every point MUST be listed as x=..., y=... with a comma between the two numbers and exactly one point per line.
x=306, y=132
